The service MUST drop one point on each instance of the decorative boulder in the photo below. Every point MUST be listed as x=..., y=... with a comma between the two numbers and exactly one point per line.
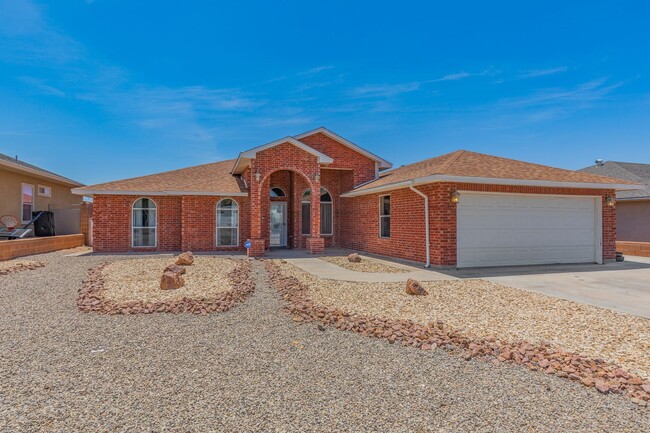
x=415, y=288
x=185, y=259
x=171, y=280
x=176, y=269
x=354, y=258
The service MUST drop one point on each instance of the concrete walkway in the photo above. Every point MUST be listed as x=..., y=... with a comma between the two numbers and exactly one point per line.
x=324, y=269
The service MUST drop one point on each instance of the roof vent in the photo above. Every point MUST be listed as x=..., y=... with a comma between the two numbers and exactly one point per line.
x=600, y=162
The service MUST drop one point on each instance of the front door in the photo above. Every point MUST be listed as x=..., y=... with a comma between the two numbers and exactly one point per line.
x=278, y=224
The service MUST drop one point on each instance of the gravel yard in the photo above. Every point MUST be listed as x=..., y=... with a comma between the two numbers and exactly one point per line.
x=481, y=308
x=253, y=369
x=365, y=265
x=138, y=279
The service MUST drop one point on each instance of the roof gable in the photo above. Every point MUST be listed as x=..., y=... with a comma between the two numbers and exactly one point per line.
x=245, y=156
x=383, y=164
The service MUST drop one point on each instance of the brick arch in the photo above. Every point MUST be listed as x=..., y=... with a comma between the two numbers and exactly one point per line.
x=267, y=176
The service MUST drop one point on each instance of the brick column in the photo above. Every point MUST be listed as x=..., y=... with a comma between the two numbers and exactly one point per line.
x=258, y=247
x=315, y=243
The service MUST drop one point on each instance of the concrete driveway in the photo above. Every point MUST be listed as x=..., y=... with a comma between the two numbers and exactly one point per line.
x=622, y=286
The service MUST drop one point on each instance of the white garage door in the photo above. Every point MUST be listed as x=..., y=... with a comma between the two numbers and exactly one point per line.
x=511, y=229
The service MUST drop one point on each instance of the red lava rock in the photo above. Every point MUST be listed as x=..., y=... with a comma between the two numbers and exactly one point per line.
x=587, y=381
x=354, y=258
x=602, y=386
x=185, y=259
x=19, y=267
x=415, y=288
x=171, y=280
x=544, y=363
x=176, y=269
x=635, y=381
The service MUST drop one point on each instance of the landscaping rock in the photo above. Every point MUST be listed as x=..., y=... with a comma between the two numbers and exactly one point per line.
x=171, y=280
x=415, y=288
x=175, y=269
x=558, y=361
x=185, y=259
x=354, y=258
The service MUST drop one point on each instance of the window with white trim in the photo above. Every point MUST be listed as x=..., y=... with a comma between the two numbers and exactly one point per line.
x=326, y=213
x=277, y=192
x=44, y=191
x=227, y=223
x=27, y=200
x=144, y=223
x=384, y=216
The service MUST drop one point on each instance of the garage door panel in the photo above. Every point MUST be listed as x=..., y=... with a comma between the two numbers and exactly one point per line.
x=512, y=229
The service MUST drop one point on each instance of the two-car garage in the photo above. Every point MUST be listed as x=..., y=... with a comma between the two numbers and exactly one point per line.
x=499, y=229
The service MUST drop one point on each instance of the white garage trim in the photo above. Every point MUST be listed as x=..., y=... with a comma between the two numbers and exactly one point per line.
x=507, y=229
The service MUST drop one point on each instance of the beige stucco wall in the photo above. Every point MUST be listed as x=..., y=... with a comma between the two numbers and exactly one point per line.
x=11, y=190
x=633, y=221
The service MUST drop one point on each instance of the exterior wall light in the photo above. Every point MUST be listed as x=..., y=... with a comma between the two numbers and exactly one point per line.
x=317, y=177
x=258, y=175
x=610, y=201
x=455, y=196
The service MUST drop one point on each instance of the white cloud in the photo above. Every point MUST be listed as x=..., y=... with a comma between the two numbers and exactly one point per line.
x=453, y=77
x=543, y=72
x=384, y=90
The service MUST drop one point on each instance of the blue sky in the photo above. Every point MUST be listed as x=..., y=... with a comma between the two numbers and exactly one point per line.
x=106, y=89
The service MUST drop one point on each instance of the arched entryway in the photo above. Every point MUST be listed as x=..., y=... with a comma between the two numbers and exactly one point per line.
x=281, y=202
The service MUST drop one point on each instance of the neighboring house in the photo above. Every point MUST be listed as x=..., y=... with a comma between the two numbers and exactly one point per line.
x=482, y=210
x=25, y=188
x=632, y=207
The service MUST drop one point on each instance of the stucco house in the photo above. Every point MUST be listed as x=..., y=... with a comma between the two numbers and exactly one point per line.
x=25, y=188
x=633, y=206
x=318, y=190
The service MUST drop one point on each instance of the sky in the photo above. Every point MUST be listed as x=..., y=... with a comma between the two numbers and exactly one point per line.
x=109, y=89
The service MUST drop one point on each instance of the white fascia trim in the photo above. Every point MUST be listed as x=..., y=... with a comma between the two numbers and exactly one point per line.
x=490, y=181
x=383, y=163
x=90, y=192
x=38, y=173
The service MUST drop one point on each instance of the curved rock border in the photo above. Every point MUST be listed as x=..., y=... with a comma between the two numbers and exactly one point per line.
x=20, y=267
x=91, y=296
x=605, y=377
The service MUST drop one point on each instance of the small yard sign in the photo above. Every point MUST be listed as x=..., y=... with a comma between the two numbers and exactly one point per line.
x=248, y=244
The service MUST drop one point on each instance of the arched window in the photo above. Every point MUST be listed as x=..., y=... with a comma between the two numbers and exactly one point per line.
x=326, y=213
x=277, y=192
x=227, y=223
x=144, y=223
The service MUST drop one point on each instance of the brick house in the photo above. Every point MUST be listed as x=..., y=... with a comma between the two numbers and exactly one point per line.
x=460, y=209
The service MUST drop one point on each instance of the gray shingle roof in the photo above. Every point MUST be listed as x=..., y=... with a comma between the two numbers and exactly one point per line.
x=631, y=171
x=20, y=163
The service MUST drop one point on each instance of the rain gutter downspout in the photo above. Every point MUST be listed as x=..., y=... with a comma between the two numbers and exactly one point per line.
x=426, y=221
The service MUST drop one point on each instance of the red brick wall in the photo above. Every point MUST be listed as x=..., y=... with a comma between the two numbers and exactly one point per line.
x=199, y=223
x=187, y=223
x=360, y=225
x=360, y=221
x=363, y=167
